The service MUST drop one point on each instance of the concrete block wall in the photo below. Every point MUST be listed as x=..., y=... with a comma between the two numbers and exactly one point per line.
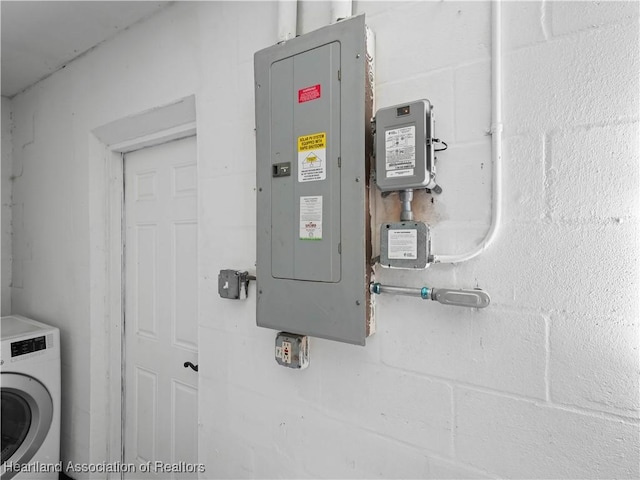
x=544, y=383
x=5, y=189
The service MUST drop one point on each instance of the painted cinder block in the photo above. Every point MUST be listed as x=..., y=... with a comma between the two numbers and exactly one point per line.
x=594, y=362
x=520, y=439
x=589, y=159
x=393, y=403
x=473, y=101
x=523, y=180
x=374, y=7
x=493, y=348
x=464, y=173
x=264, y=421
x=232, y=156
x=523, y=23
x=308, y=441
x=560, y=267
x=229, y=200
x=405, y=47
x=335, y=449
x=225, y=453
x=574, y=80
x=449, y=470
x=233, y=316
x=268, y=465
x=7, y=167
x=570, y=17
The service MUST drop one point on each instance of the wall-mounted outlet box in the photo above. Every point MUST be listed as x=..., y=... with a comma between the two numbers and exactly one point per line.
x=314, y=102
x=292, y=350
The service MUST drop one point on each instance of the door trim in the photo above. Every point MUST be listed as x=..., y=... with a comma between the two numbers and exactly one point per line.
x=108, y=145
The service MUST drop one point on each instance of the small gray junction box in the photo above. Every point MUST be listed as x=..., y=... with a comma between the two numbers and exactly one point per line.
x=314, y=100
x=404, y=245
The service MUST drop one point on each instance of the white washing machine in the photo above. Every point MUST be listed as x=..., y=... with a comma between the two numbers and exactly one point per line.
x=30, y=384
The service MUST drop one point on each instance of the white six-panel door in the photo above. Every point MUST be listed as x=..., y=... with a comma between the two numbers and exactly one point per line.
x=161, y=397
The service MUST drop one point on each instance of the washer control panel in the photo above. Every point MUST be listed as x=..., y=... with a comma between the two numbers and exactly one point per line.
x=29, y=345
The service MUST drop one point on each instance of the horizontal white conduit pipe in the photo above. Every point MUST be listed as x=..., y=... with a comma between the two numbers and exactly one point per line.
x=341, y=9
x=287, y=19
x=496, y=141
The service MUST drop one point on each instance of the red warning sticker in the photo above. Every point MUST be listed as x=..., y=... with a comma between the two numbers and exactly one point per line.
x=309, y=93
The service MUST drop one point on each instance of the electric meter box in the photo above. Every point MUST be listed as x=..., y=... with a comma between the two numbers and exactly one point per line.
x=314, y=102
x=404, y=146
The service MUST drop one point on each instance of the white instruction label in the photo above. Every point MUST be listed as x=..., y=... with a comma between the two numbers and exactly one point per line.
x=400, y=146
x=311, y=218
x=400, y=173
x=403, y=244
x=312, y=157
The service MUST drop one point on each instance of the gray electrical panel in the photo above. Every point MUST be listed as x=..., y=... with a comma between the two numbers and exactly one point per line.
x=314, y=102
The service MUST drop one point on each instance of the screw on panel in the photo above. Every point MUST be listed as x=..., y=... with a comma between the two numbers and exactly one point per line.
x=357, y=55
x=357, y=302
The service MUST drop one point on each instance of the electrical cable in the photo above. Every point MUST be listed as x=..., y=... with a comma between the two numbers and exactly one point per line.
x=437, y=140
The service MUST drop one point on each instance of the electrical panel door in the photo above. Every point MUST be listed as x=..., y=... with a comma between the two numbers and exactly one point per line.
x=314, y=100
x=305, y=214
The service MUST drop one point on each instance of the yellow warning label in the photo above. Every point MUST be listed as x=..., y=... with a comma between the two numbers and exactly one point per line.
x=312, y=142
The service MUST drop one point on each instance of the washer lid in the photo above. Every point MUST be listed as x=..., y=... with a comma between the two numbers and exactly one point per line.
x=15, y=325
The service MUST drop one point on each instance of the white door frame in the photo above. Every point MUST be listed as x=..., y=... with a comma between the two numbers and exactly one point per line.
x=108, y=145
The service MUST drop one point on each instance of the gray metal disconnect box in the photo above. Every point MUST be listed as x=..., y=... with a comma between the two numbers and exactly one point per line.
x=314, y=102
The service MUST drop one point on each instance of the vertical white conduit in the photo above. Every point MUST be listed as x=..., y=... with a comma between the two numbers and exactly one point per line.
x=341, y=9
x=496, y=141
x=287, y=19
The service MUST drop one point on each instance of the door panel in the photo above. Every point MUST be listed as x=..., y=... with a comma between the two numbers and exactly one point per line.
x=185, y=241
x=146, y=414
x=185, y=408
x=145, y=280
x=161, y=407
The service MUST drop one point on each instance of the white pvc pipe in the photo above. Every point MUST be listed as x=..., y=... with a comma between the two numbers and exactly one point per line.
x=287, y=19
x=496, y=142
x=341, y=9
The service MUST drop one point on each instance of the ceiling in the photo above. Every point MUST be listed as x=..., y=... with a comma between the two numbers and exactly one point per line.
x=40, y=37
